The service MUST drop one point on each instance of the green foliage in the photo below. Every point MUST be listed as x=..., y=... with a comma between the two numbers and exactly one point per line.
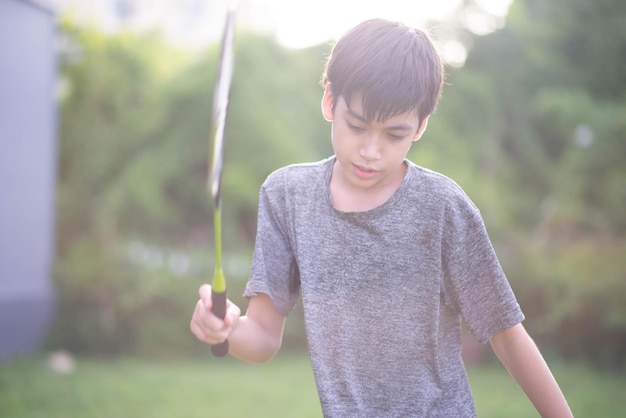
x=556, y=100
x=588, y=169
x=531, y=127
x=133, y=168
x=575, y=296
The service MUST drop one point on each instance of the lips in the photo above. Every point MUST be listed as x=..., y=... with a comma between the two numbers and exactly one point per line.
x=364, y=172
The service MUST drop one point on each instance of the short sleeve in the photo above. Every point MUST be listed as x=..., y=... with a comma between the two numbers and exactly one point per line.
x=474, y=282
x=274, y=269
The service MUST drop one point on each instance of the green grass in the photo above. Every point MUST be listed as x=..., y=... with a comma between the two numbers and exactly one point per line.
x=174, y=388
x=227, y=388
x=590, y=393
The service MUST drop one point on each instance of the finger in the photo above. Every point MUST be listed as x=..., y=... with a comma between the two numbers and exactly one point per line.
x=196, y=324
x=207, y=327
x=205, y=294
x=197, y=331
x=199, y=315
x=207, y=319
x=211, y=324
x=207, y=337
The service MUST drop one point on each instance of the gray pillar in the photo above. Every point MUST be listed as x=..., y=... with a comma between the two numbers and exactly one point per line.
x=27, y=173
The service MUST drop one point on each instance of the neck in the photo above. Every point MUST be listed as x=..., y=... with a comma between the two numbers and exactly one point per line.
x=348, y=197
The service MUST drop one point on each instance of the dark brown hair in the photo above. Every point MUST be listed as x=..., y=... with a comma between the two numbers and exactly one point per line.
x=394, y=66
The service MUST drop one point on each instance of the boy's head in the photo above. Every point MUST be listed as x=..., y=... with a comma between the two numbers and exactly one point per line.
x=395, y=67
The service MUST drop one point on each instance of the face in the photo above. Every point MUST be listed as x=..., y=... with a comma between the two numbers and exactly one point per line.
x=369, y=154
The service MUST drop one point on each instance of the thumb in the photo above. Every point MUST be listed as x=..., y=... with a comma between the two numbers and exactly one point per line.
x=233, y=313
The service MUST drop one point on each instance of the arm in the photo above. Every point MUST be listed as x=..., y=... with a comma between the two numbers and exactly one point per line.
x=259, y=335
x=519, y=354
x=255, y=337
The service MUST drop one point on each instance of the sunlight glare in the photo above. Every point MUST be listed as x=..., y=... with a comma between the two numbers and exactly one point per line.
x=454, y=53
x=307, y=23
x=300, y=24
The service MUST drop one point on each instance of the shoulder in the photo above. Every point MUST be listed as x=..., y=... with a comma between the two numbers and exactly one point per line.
x=438, y=189
x=297, y=176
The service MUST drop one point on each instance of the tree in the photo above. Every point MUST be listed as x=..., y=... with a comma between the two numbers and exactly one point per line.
x=134, y=141
x=553, y=95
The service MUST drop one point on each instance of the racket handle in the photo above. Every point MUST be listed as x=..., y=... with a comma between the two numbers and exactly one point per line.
x=219, y=309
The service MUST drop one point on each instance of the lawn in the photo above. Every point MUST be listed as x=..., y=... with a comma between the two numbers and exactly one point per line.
x=226, y=388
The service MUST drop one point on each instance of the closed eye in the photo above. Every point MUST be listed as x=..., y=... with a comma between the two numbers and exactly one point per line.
x=398, y=135
x=355, y=128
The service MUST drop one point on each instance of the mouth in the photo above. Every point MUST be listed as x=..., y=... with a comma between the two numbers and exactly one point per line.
x=364, y=172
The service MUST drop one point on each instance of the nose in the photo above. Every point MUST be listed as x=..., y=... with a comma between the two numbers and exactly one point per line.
x=370, y=148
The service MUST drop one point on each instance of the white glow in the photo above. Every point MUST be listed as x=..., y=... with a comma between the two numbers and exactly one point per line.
x=481, y=23
x=301, y=24
x=454, y=53
x=495, y=7
x=294, y=23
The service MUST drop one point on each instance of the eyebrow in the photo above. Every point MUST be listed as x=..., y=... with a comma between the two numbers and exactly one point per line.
x=399, y=127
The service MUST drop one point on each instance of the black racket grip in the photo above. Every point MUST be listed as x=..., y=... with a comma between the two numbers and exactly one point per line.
x=219, y=309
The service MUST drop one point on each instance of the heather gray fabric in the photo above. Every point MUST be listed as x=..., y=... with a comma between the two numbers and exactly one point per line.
x=383, y=290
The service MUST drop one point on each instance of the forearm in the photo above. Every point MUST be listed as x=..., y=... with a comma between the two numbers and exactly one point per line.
x=519, y=354
x=251, y=342
x=259, y=334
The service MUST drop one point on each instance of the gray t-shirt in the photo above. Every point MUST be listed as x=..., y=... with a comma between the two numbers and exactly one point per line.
x=383, y=290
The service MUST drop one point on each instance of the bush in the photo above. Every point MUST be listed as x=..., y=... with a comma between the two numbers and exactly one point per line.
x=574, y=296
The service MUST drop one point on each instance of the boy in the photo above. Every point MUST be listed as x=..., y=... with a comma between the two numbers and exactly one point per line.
x=388, y=256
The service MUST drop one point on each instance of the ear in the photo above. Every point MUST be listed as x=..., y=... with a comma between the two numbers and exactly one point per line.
x=421, y=129
x=328, y=102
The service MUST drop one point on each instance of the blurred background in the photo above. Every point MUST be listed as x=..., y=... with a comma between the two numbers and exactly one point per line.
x=105, y=112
